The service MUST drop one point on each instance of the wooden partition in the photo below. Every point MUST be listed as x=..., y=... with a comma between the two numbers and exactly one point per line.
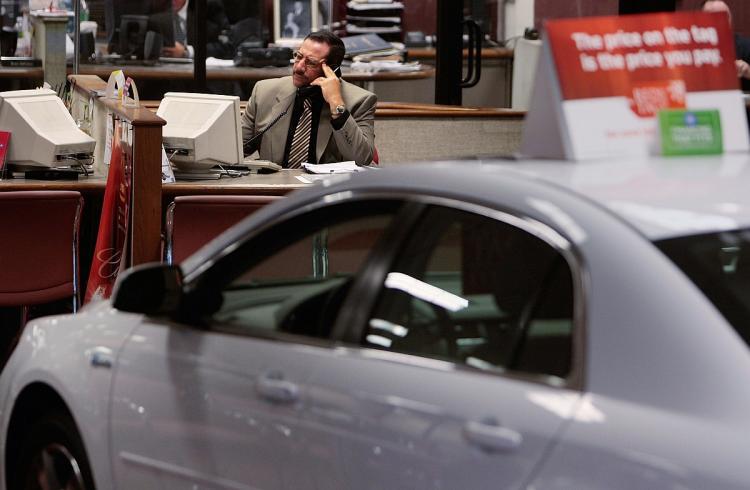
x=408, y=132
x=142, y=147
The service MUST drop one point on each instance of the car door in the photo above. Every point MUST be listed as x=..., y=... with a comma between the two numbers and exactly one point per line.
x=216, y=404
x=461, y=369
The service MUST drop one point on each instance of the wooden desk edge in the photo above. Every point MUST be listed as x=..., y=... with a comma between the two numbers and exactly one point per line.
x=138, y=116
x=489, y=53
x=408, y=109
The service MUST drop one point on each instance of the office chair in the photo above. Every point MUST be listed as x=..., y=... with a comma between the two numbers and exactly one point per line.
x=39, y=248
x=193, y=221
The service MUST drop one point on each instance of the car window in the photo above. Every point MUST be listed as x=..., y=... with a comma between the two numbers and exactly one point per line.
x=719, y=264
x=309, y=264
x=477, y=291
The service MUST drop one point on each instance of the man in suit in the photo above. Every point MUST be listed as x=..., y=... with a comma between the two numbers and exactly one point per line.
x=184, y=30
x=741, y=44
x=311, y=116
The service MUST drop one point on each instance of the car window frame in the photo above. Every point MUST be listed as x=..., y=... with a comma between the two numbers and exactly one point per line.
x=354, y=320
x=331, y=205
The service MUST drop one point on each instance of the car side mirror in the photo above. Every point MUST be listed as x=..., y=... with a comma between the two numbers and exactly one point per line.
x=150, y=289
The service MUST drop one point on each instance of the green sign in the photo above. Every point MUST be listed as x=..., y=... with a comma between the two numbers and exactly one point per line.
x=685, y=132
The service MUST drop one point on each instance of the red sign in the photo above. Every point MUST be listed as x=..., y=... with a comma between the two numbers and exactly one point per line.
x=4, y=142
x=109, y=254
x=643, y=57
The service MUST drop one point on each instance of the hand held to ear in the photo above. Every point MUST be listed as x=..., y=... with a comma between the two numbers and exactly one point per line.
x=330, y=86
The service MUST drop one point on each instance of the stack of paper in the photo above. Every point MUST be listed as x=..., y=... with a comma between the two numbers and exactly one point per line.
x=385, y=65
x=333, y=168
x=381, y=17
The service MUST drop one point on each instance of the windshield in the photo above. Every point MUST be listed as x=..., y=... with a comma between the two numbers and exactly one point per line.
x=719, y=264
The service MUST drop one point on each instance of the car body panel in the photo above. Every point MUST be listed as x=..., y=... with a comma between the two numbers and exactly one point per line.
x=661, y=370
x=617, y=445
x=187, y=408
x=385, y=420
x=74, y=356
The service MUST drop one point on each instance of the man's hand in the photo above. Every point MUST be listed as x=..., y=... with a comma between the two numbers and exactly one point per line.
x=743, y=69
x=330, y=85
x=178, y=51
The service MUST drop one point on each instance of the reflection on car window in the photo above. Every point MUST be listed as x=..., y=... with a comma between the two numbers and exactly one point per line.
x=299, y=288
x=476, y=291
x=719, y=264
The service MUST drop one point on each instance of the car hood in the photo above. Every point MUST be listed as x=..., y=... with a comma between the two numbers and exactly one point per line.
x=661, y=197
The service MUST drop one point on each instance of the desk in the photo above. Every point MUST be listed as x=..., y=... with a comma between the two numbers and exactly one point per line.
x=31, y=72
x=21, y=77
x=276, y=184
x=494, y=87
x=424, y=54
x=184, y=71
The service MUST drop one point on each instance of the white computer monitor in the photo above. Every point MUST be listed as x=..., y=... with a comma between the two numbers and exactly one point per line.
x=202, y=130
x=43, y=133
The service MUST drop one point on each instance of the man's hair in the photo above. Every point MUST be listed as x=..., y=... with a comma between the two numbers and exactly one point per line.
x=336, y=45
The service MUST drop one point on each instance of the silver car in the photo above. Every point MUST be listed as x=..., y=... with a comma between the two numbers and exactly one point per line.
x=468, y=325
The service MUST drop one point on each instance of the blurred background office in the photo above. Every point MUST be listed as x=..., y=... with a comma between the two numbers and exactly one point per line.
x=143, y=31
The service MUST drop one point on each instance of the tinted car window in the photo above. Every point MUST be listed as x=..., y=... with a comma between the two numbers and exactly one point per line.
x=299, y=287
x=719, y=264
x=473, y=290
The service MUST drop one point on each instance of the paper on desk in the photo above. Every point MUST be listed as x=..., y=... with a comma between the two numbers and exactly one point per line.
x=211, y=61
x=167, y=175
x=333, y=168
x=309, y=179
x=385, y=65
x=325, y=179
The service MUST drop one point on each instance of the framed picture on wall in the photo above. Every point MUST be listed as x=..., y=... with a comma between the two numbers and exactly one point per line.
x=293, y=20
x=325, y=14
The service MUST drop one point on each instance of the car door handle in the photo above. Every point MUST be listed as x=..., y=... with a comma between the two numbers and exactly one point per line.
x=490, y=436
x=273, y=387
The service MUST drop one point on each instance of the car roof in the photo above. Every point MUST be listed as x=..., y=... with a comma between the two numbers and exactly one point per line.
x=660, y=197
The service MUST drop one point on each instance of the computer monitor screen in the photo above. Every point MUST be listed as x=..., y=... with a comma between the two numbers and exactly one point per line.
x=43, y=133
x=202, y=130
x=132, y=34
x=129, y=21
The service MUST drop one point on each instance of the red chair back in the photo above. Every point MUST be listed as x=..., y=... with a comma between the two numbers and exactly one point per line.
x=193, y=221
x=39, y=247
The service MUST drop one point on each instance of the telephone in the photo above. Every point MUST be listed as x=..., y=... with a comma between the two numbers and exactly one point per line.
x=260, y=166
x=311, y=90
x=308, y=91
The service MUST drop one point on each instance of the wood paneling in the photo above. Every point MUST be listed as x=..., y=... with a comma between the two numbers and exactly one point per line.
x=554, y=9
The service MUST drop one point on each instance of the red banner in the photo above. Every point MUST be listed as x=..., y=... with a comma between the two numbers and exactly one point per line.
x=111, y=240
x=632, y=55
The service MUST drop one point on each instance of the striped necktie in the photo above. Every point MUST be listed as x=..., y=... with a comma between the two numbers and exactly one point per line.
x=179, y=29
x=300, y=148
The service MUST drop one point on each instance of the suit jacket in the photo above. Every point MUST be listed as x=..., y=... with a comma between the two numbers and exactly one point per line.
x=354, y=141
x=742, y=50
x=216, y=22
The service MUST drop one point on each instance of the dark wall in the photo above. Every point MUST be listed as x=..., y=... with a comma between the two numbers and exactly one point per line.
x=552, y=9
x=645, y=6
x=555, y=9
